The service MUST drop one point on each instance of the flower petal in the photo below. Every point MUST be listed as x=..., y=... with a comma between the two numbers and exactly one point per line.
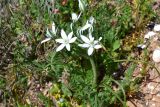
x=63, y=34
x=60, y=47
x=84, y=45
x=85, y=39
x=70, y=35
x=72, y=40
x=59, y=40
x=90, y=51
x=53, y=28
x=68, y=47
x=86, y=26
x=97, y=46
x=45, y=40
x=95, y=42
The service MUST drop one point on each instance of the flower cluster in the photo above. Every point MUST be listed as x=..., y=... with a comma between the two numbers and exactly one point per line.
x=65, y=41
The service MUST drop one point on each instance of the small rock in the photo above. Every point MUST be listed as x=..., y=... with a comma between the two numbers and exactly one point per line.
x=149, y=35
x=157, y=28
x=156, y=55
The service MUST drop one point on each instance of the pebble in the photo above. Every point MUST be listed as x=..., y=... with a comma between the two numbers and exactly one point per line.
x=149, y=35
x=156, y=55
x=157, y=28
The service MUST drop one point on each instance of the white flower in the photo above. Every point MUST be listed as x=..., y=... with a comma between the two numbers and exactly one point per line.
x=156, y=28
x=65, y=41
x=75, y=17
x=48, y=34
x=149, y=35
x=81, y=5
x=156, y=55
x=88, y=25
x=90, y=43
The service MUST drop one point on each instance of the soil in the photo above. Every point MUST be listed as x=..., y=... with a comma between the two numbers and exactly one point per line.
x=149, y=90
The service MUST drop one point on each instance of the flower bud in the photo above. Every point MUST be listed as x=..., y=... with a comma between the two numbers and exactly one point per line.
x=74, y=17
x=81, y=5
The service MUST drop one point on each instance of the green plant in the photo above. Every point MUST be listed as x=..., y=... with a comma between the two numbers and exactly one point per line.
x=79, y=77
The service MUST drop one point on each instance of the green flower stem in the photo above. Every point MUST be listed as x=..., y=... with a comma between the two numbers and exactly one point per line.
x=94, y=71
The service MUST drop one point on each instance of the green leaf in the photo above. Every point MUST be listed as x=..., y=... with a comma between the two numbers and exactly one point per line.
x=66, y=91
x=116, y=45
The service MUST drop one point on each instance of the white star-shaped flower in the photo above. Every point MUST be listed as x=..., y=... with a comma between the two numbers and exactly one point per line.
x=65, y=40
x=90, y=43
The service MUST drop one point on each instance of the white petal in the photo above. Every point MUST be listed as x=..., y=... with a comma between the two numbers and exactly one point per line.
x=45, y=40
x=90, y=51
x=53, y=28
x=70, y=35
x=63, y=34
x=68, y=47
x=97, y=46
x=84, y=45
x=95, y=42
x=156, y=27
x=72, y=40
x=60, y=47
x=86, y=26
x=59, y=40
x=85, y=39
